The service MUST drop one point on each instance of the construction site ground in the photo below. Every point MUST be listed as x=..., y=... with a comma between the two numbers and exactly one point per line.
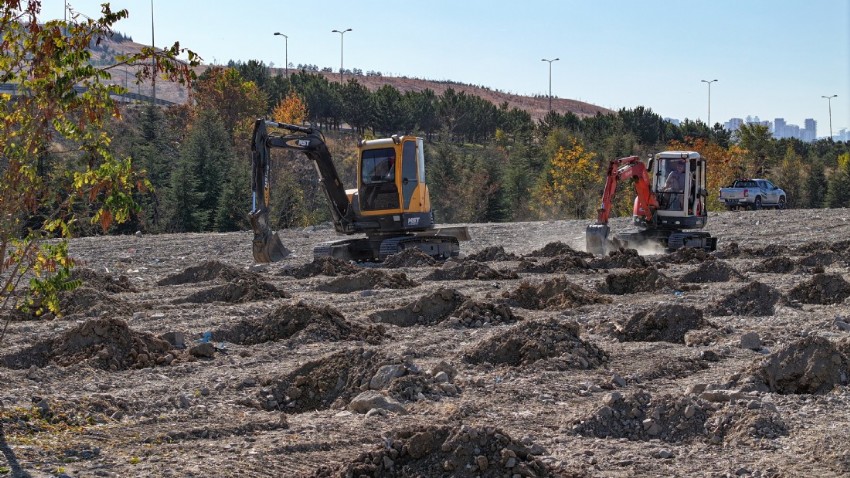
x=178, y=356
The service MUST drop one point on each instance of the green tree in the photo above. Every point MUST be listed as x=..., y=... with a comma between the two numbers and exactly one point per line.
x=46, y=60
x=756, y=140
x=815, y=183
x=838, y=186
x=790, y=175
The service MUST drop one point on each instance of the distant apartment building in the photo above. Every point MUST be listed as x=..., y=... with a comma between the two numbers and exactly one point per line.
x=733, y=124
x=808, y=133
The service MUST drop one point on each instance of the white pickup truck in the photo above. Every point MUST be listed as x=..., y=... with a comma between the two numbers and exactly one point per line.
x=753, y=194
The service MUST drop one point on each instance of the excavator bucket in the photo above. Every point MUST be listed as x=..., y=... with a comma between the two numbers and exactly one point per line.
x=596, y=237
x=266, y=246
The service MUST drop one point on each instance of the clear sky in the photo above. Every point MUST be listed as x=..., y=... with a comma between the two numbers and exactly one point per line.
x=772, y=58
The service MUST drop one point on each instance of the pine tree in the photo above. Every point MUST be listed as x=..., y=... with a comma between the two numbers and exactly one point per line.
x=838, y=186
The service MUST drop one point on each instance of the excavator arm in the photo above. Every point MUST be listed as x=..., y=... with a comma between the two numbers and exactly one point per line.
x=266, y=245
x=619, y=170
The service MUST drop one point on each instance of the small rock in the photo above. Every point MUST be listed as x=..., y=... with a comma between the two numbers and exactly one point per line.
x=371, y=399
x=202, y=350
x=751, y=341
x=618, y=381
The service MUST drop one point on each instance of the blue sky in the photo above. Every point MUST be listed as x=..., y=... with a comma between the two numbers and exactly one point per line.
x=772, y=58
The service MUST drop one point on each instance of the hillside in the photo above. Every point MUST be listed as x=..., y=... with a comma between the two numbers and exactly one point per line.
x=175, y=93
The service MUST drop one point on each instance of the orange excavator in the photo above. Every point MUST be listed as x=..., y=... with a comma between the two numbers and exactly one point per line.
x=671, y=194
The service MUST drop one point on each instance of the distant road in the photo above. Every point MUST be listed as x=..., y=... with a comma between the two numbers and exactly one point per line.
x=128, y=97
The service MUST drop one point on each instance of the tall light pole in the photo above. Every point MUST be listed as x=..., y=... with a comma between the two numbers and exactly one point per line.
x=341, y=36
x=550, y=80
x=829, y=100
x=709, y=100
x=286, y=64
x=153, y=47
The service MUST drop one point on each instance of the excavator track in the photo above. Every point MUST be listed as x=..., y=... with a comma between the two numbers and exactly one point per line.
x=440, y=247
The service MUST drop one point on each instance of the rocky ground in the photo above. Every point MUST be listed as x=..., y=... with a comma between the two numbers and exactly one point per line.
x=525, y=357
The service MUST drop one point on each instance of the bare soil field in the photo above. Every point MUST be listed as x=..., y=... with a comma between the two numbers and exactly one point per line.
x=524, y=357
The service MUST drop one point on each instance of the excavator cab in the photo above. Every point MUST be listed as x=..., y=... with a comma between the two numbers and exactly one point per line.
x=679, y=182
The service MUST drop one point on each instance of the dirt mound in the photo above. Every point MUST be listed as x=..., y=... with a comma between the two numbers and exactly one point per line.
x=409, y=258
x=300, y=323
x=88, y=302
x=754, y=300
x=663, y=323
x=368, y=279
x=558, y=249
x=203, y=272
x=240, y=290
x=432, y=451
x=492, y=253
x=553, y=339
x=557, y=293
x=776, y=265
x=820, y=289
x=812, y=247
x=473, y=314
x=634, y=281
x=640, y=417
x=103, y=343
x=427, y=310
x=819, y=259
x=564, y=263
x=712, y=271
x=810, y=365
x=686, y=255
x=469, y=270
x=328, y=266
x=102, y=282
x=734, y=250
x=329, y=382
x=620, y=259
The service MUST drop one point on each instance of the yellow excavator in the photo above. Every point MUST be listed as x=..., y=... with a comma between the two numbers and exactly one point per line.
x=391, y=205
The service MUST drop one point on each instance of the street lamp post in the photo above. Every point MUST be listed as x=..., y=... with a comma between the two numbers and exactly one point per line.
x=341, y=36
x=550, y=80
x=709, y=100
x=153, y=46
x=286, y=60
x=829, y=100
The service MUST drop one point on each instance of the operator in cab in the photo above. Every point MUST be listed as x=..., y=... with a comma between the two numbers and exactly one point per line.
x=674, y=185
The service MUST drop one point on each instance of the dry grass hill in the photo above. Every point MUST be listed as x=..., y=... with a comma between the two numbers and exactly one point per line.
x=536, y=106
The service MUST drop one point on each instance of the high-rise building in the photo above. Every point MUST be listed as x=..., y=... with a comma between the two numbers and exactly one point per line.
x=780, y=128
x=810, y=133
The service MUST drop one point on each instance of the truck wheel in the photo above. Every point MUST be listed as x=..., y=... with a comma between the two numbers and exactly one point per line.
x=781, y=204
x=757, y=203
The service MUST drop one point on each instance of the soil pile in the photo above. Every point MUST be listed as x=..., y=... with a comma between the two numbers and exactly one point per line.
x=564, y=263
x=103, y=343
x=639, y=417
x=427, y=310
x=492, y=253
x=88, y=302
x=754, y=300
x=733, y=250
x=634, y=281
x=620, y=259
x=246, y=288
x=299, y=323
x=329, y=382
x=553, y=294
x=368, y=279
x=328, y=266
x=102, y=282
x=409, y=258
x=663, y=323
x=712, y=271
x=554, y=249
x=203, y=272
x=686, y=255
x=776, y=265
x=469, y=270
x=810, y=365
x=821, y=289
x=552, y=339
x=819, y=259
x=473, y=314
x=434, y=451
